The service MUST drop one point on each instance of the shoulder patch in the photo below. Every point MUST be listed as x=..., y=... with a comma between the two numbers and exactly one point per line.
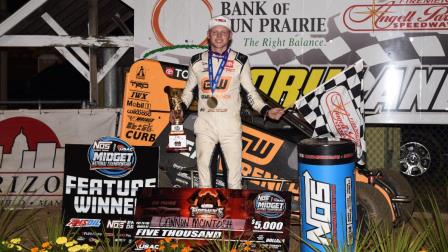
x=241, y=58
x=196, y=58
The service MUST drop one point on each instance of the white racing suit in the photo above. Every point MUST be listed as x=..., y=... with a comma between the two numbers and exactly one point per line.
x=221, y=124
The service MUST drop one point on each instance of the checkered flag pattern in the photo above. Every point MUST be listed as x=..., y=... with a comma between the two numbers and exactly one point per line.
x=336, y=108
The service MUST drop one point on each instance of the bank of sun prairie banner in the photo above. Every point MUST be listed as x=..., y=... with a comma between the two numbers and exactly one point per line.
x=296, y=45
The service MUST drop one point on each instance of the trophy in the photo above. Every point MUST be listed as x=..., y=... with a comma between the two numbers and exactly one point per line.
x=177, y=139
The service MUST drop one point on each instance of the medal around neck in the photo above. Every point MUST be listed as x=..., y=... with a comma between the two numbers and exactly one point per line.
x=212, y=102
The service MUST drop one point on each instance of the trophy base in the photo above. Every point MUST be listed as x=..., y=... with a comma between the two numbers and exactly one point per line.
x=177, y=143
x=176, y=150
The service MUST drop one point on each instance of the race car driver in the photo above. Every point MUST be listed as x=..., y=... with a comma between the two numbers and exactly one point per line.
x=219, y=74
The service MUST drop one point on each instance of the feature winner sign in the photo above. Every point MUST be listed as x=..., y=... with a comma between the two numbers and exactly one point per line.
x=101, y=183
x=146, y=108
x=212, y=214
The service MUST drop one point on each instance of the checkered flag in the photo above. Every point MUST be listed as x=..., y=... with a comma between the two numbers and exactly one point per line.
x=336, y=108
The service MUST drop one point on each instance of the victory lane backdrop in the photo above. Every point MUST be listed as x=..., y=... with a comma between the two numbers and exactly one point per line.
x=96, y=204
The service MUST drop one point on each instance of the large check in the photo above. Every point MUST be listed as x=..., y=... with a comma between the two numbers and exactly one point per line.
x=199, y=216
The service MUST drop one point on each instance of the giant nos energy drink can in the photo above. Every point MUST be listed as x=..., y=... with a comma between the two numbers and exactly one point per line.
x=327, y=180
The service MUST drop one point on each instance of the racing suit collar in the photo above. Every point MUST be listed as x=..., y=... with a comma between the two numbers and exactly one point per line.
x=218, y=55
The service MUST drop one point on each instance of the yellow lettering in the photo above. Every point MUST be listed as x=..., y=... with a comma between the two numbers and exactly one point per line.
x=263, y=78
x=316, y=75
x=287, y=86
x=332, y=72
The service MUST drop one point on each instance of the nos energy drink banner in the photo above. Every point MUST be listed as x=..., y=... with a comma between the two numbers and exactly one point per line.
x=328, y=207
x=100, y=186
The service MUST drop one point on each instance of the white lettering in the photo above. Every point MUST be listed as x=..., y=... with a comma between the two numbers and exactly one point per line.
x=387, y=89
x=422, y=88
x=318, y=209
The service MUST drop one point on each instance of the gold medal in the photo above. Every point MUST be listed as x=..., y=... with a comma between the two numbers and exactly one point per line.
x=212, y=102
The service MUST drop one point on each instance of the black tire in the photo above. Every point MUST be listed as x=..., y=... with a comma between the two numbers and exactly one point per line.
x=372, y=207
x=420, y=153
x=402, y=187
